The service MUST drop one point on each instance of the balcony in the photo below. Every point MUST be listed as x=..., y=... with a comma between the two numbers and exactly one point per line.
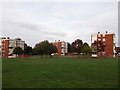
x=10, y=47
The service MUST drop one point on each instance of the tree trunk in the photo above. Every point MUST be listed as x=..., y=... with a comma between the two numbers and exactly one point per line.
x=16, y=55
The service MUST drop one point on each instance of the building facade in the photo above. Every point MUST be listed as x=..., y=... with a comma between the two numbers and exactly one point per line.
x=7, y=46
x=4, y=49
x=62, y=47
x=104, y=44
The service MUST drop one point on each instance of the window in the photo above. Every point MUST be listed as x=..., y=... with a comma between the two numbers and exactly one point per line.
x=99, y=39
x=103, y=35
x=104, y=44
x=99, y=35
x=98, y=44
x=103, y=39
x=10, y=47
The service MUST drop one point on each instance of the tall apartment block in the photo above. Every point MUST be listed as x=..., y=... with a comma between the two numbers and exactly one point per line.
x=107, y=41
x=7, y=46
x=62, y=47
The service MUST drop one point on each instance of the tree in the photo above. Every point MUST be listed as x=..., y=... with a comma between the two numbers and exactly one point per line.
x=27, y=49
x=99, y=47
x=69, y=48
x=52, y=49
x=18, y=51
x=44, y=48
x=76, y=46
x=38, y=50
x=117, y=49
x=86, y=49
x=94, y=47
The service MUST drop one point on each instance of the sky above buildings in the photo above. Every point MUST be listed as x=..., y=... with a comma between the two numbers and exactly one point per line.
x=65, y=21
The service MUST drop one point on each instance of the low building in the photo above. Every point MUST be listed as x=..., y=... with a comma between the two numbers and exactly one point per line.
x=62, y=47
x=7, y=46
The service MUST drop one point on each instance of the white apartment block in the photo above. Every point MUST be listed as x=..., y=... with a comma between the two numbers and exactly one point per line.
x=7, y=46
x=64, y=48
x=15, y=43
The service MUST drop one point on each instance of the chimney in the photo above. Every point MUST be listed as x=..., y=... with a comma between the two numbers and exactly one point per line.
x=8, y=38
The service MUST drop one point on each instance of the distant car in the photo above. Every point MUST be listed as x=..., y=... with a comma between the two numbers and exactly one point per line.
x=52, y=54
x=94, y=55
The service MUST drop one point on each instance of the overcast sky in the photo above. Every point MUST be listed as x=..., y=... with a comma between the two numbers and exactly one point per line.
x=65, y=21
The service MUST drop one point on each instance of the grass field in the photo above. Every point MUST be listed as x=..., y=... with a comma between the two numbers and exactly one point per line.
x=60, y=73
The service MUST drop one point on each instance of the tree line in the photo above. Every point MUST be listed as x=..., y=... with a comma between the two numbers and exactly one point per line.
x=78, y=47
x=41, y=48
x=47, y=48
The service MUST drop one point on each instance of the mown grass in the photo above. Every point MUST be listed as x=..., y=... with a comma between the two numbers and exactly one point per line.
x=60, y=73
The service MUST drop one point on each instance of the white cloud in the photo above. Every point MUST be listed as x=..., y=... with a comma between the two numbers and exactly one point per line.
x=60, y=0
x=35, y=22
x=0, y=20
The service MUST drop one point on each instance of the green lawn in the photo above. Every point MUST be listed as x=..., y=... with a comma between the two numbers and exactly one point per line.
x=60, y=73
